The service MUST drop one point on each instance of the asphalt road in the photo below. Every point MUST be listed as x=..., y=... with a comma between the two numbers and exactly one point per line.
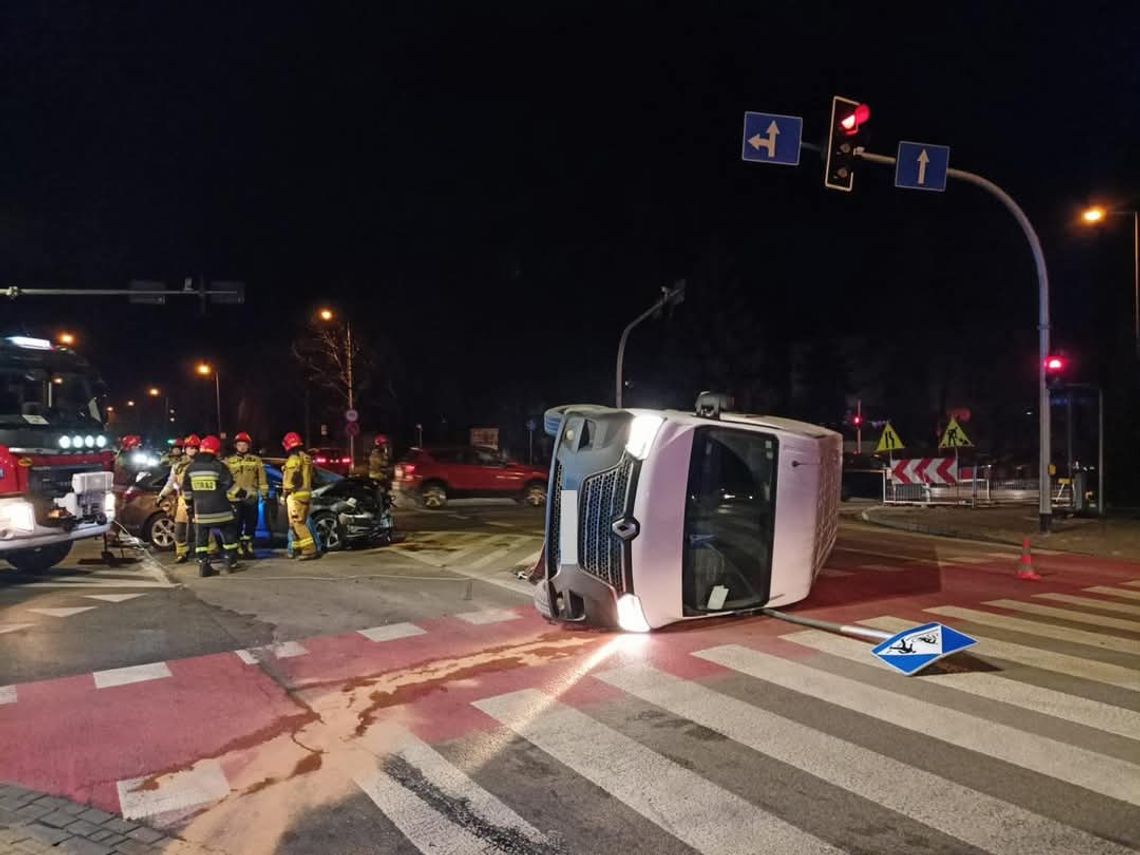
x=408, y=699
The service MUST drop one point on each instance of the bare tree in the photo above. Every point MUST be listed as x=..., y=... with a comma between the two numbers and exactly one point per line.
x=335, y=359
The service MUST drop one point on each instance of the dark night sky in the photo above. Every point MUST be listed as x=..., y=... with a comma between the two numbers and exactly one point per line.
x=483, y=182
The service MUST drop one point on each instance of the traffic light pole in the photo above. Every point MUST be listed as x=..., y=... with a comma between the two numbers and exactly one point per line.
x=1045, y=506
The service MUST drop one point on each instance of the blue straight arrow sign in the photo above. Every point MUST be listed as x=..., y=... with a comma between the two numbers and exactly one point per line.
x=922, y=166
x=772, y=138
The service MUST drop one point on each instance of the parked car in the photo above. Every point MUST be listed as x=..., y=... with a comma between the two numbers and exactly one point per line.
x=345, y=511
x=432, y=476
x=862, y=477
x=333, y=459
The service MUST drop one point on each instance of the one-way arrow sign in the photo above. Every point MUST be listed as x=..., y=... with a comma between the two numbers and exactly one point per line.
x=922, y=166
x=771, y=138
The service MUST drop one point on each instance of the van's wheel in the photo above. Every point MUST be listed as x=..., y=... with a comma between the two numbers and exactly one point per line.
x=159, y=532
x=433, y=496
x=329, y=531
x=40, y=558
x=534, y=495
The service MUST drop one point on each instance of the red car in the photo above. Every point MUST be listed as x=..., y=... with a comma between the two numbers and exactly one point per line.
x=333, y=459
x=431, y=476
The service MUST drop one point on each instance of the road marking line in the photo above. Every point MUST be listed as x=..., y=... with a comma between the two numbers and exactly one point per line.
x=246, y=657
x=975, y=818
x=141, y=798
x=500, y=524
x=63, y=613
x=494, y=555
x=1071, y=615
x=531, y=559
x=94, y=583
x=414, y=771
x=834, y=573
x=8, y=695
x=883, y=568
x=968, y=559
x=686, y=805
x=392, y=631
x=1090, y=603
x=1100, y=773
x=1073, y=708
x=131, y=674
x=880, y=554
x=1045, y=630
x=1046, y=660
x=278, y=650
x=112, y=598
x=13, y=627
x=1135, y=583
x=1114, y=592
x=488, y=616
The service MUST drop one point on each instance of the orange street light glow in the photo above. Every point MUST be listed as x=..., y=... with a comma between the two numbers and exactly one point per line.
x=1094, y=214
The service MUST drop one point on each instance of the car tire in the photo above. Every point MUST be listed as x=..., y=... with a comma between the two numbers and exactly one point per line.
x=159, y=532
x=534, y=494
x=329, y=530
x=433, y=496
x=40, y=558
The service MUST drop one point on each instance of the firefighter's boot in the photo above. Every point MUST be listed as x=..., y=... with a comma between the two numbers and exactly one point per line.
x=205, y=568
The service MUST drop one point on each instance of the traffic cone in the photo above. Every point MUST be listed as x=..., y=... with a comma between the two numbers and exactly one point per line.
x=1025, y=570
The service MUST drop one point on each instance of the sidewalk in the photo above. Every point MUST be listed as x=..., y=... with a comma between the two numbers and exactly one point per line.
x=1110, y=538
x=32, y=822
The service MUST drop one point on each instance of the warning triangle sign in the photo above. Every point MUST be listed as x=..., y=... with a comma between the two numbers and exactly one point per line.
x=954, y=436
x=889, y=441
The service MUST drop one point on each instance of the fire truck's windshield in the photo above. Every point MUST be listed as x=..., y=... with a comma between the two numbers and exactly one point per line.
x=36, y=396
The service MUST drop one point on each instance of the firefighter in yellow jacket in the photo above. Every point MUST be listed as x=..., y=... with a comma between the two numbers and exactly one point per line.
x=297, y=487
x=173, y=486
x=250, y=484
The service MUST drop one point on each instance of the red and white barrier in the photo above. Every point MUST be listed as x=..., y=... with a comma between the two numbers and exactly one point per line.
x=926, y=470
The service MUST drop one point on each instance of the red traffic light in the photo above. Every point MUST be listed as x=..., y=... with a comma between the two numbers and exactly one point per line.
x=856, y=118
x=1055, y=363
x=857, y=420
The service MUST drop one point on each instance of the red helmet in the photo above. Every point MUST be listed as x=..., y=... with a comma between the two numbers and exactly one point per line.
x=381, y=439
x=292, y=440
x=211, y=445
x=243, y=437
x=192, y=441
x=131, y=441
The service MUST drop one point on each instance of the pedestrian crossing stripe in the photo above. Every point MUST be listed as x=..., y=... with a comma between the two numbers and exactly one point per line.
x=914, y=649
x=889, y=441
x=954, y=436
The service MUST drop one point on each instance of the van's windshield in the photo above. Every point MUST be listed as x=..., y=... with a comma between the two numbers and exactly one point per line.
x=730, y=517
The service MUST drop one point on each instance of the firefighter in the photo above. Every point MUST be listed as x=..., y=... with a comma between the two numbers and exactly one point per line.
x=173, y=486
x=123, y=468
x=250, y=485
x=296, y=486
x=173, y=455
x=380, y=460
x=207, y=485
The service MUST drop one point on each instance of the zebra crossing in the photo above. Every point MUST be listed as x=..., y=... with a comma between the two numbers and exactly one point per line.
x=488, y=556
x=996, y=757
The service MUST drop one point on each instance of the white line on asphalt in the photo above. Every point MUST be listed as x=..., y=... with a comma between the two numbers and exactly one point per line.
x=278, y=650
x=13, y=627
x=1045, y=630
x=877, y=553
x=531, y=559
x=488, y=616
x=1099, y=773
x=500, y=524
x=493, y=555
x=63, y=613
x=246, y=657
x=883, y=568
x=970, y=816
x=693, y=809
x=1114, y=592
x=1091, y=603
x=112, y=598
x=834, y=573
x=426, y=828
x=7, y=694
x=131, y=674
x=391, y=632
x=1071, y=615
x=1073, y=708
x=147, y=797
x=968, y=559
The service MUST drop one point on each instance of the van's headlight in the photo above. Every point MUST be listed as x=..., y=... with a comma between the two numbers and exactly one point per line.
x=642, y=431
x=630, y=616
x=18, y=515
x=65, y=442
x=101, y=441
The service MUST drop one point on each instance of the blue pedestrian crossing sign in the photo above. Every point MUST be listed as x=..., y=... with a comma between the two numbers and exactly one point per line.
x=922, y=166
x=771, y=138
x=913, y=649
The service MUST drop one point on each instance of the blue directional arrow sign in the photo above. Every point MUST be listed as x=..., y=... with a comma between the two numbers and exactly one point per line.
x=922, y=166
x=771, y=138
x=913, y=649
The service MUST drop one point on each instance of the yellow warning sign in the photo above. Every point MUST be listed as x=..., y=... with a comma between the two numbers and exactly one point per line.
x=955, y=437
x=889, y=441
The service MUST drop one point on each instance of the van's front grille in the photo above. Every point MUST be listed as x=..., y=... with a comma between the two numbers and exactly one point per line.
x=604, y=498
x=555, y=500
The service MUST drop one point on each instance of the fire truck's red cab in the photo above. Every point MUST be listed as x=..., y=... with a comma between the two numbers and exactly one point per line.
x=55, y=457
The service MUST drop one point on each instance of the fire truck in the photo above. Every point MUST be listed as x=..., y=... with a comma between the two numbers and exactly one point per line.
x=56, y=466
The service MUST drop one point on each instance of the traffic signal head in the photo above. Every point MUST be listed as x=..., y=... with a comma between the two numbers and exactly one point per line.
x=857, y=420
x=1055, y=367
x=848, y=119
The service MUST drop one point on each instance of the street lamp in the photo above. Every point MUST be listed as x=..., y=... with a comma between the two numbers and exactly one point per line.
x=153, y=391
x=669, y=297
x=130, y=403
x=327, y=315
x=66, y=339
x=1095, y=215
x=204, y=369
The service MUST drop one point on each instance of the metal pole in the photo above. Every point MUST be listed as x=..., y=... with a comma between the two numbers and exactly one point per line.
x=351, y=438
x=1136, y=280
x=1069, y=430
x=1100, y=451
x=1045, y=506
x=218, y=393
x=530, y=446
x=624, y=337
